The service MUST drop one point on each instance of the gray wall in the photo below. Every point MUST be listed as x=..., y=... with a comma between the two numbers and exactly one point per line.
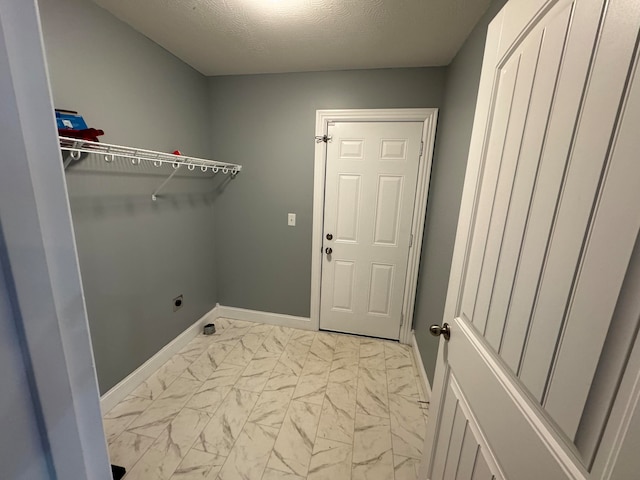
x=447, y=177
x=135, y=255
x=267, y=123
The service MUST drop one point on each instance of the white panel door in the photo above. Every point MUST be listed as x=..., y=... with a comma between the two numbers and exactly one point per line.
x=370, y=187
x=545, y=252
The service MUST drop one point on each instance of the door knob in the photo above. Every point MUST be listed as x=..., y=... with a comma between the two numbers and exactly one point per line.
x=329, y=236
x=444, y=330
x=328, y=250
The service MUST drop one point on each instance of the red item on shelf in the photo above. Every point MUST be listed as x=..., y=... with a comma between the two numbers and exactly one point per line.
x=89, y=134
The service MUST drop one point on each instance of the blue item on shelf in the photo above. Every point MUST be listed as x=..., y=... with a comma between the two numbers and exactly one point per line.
x=68, y=120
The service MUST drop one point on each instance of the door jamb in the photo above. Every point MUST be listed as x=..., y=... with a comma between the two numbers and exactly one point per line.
x=323, y=117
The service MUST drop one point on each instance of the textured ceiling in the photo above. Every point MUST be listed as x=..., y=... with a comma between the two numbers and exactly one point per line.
x=224, y=37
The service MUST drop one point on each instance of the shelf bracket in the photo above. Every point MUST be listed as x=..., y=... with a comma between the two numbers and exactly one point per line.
x=154, y=195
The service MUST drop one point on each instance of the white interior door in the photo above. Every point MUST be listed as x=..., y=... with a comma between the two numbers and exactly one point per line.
x=542, y=316
x=370, y=186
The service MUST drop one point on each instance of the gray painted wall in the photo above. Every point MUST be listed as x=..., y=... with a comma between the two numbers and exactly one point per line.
x=135, y=255
x=267, y=123
x=447, y=177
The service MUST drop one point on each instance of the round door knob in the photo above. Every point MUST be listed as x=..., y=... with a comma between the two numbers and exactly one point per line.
x=444, y=330
x=329, y=236
x=328, y=250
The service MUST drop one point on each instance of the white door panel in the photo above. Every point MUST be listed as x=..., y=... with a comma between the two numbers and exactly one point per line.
x=349, y=201
x=606, y=257
x=370, y=187
x=586, y=164
x=343, y=286
x=381, y=289
x=548, y=227
x=388, y=204
x=461, y=449
x=523, y=188
x=524, y=444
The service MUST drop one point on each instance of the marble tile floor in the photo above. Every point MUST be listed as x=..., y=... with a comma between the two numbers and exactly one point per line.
x=263, y=402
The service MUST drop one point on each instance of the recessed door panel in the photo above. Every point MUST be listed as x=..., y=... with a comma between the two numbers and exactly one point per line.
x=388, y=210
x=348, y=208
x=344, y=274
x=393, y=150
x=352, y=149
x=381, y=289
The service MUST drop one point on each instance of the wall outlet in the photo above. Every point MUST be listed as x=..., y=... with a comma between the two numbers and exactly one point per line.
x=291, y=220
x=178, y=302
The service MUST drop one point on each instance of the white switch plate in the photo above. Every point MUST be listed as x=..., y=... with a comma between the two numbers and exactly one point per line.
x=291, y=220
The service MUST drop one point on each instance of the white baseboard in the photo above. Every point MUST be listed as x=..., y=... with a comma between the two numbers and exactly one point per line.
x=423, y=373
x=256, y=316
x=129, y=384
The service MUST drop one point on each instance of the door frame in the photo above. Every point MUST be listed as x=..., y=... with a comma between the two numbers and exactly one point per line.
x=428, y=117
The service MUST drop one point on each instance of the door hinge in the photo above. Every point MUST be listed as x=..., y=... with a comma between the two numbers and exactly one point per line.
x=421, y=147
x=323, y=138
x=401, y=318
x=411, y=240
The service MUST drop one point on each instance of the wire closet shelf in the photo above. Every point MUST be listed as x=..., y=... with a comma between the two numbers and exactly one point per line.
x=76, y=147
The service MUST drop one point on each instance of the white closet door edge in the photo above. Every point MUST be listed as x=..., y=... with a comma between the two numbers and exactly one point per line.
x=118, y=393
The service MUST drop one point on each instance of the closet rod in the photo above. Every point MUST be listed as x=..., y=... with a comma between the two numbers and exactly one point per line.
x=77, y=146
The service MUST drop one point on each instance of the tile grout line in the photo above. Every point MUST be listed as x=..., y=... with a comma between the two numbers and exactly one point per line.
x=290, y=400
x=324, y=399
x=420, y=389
x=136, y=462
x=125, y=429
x=156, y=438
x=212, y=414
x=355, y=413
x=355, y=410
x=221, y=402
x=386, y=379
x=200, y=410
x=424, y=408
x=109, y=443
x=151, y=444
x=154, y=441
x=288, y=405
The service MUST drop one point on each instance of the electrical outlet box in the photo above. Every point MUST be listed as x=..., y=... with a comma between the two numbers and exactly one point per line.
x=178, y=302
x=291, y=220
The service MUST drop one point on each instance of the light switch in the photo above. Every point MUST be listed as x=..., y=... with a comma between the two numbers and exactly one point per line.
x=291, y=220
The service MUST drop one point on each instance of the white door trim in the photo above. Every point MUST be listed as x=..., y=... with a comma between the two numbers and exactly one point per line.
x=323, y=117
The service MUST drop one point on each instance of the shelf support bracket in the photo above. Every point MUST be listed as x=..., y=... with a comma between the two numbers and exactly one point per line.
x=154, y=195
